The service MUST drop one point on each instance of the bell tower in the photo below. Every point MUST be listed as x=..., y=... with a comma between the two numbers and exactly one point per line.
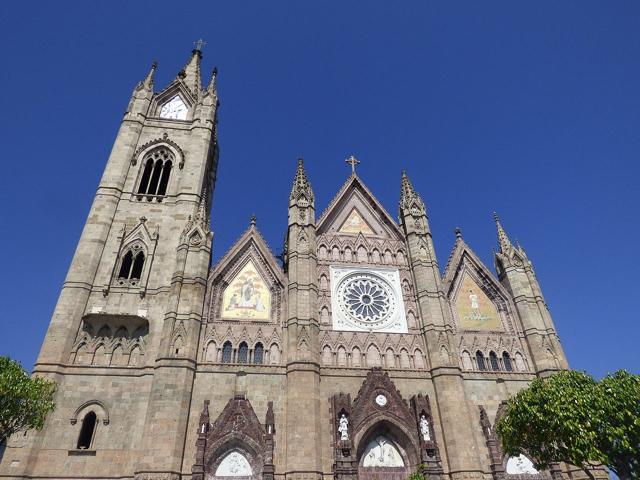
x=124, y=333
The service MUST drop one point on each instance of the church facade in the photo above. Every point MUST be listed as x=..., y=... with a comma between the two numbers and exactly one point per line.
x=351, y=356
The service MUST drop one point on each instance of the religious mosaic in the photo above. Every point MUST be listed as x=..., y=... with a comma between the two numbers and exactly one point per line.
x=475, y=310
x=355, y=224
x=247, y=297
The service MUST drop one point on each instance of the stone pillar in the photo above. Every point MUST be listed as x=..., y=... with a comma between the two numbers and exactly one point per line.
x=303, y=352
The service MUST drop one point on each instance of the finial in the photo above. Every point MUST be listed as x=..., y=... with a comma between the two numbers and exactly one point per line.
x=353, y=161
x=253, y=220
x=214, y=72
x=143, y=219
x=458, y=233
x=199, y=44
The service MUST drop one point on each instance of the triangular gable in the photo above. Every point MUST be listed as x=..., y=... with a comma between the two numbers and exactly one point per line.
x=355, y=201
x=247, y=282
x=355, y=224
x=177, y=88
x=477, y=299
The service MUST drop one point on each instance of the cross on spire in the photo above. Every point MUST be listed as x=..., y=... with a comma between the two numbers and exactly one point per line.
x=353, y=161
x=199, y=44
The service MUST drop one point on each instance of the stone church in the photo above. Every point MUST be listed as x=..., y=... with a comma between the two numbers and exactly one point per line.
x=351, y=356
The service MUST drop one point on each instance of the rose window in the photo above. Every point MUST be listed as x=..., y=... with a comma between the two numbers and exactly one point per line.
x=366, y=299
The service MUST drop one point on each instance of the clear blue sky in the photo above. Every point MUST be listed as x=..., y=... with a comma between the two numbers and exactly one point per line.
x=531, y=109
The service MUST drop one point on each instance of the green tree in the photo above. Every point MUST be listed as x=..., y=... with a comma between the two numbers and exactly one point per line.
x=417, y=474
x=569, y=417
x=25, y=401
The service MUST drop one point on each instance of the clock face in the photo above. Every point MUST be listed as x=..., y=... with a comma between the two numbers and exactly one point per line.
x=174, y=109
x=381, y=400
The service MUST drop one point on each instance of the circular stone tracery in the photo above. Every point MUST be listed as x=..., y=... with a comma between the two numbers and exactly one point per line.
x=366, y=299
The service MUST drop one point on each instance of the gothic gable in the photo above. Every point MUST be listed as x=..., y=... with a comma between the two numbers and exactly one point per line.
x=478, y=301
x=354, y=210
x=236, y=444
x=247, y=283
x=174, y=97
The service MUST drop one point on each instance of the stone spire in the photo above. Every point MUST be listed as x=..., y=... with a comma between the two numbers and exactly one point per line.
x=409, y=198
x=190, y=74
x=212, y=87
x=301, y=186
x=147, y=83
x=503, y=240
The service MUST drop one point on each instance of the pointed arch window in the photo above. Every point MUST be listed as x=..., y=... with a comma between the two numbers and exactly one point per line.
x=227, y=352
x=132, y=265
x=243, y=353
x=493, y=361
x=258, y=354
x=480, y=361
x=156, y=173
x=87, y=431
x=506, y=361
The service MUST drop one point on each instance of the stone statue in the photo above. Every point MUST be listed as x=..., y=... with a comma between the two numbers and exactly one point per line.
x=424, y=428
x=344, y=427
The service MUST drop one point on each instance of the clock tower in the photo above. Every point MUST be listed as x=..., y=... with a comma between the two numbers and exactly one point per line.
x=125, y=327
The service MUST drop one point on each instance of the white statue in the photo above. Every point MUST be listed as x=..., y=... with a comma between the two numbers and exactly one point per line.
x=344, y=427
x=424, y=428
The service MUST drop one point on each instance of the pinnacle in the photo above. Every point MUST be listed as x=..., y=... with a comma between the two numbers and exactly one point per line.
x=408, y=196
x=301, y=185
x=212, y=83
x=503, y=240
x=147, y=83
x=190, y=74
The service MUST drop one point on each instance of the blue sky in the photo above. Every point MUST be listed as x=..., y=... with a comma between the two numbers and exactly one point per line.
x=531, y=109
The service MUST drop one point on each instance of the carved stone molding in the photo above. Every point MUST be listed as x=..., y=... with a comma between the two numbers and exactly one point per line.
x=380, y=408
x=165, y=140
x=499, y=459
x=237, y=429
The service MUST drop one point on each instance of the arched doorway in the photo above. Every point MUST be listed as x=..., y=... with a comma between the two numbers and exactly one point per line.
x=235, y=463
x=385, y=453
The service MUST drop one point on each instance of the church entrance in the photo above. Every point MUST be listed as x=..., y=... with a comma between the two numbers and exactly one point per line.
x=382, y=460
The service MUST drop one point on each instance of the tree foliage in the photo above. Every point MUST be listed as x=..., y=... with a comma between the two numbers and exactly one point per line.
x=25, y=401
x=569, y=417
x=417, y=474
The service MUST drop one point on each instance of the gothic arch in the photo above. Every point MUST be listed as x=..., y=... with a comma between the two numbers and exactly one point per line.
x=381, y=421
x=235, y=442
x=238, y=432
x=387, y=427
x=165, y=142
x=96, y=405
